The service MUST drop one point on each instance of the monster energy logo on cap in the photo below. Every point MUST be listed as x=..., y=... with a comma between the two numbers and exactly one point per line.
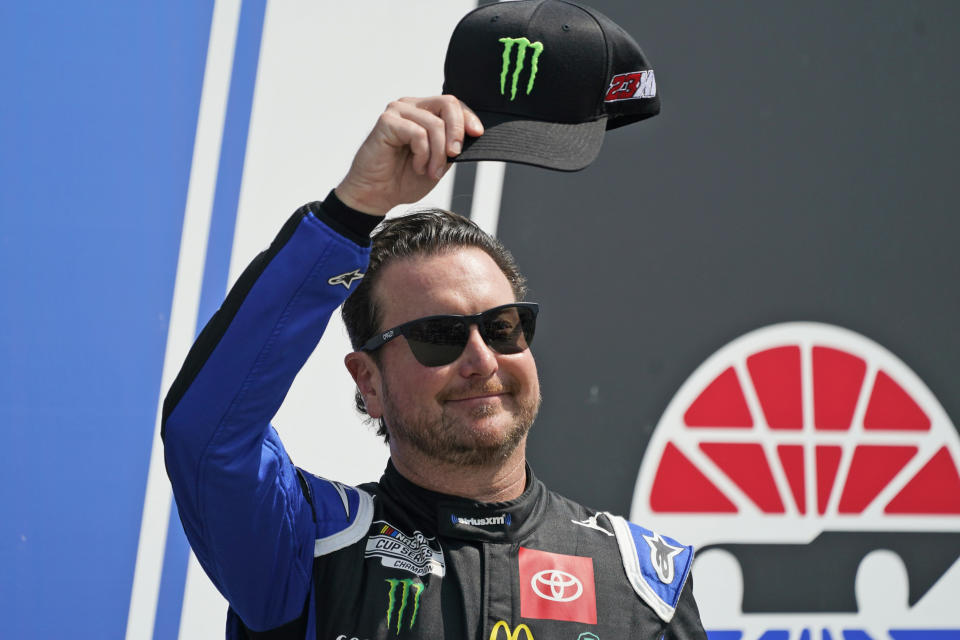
x=406, y=586
x=522, y=45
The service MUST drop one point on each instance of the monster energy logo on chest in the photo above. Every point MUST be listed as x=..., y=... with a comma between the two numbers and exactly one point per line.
x=405, y=587
x=522, y=45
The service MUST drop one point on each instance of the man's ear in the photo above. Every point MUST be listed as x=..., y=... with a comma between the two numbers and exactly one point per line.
x=366, y=374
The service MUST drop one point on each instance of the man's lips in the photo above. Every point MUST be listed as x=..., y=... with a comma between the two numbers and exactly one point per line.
x=477, y=394
x=482, y=396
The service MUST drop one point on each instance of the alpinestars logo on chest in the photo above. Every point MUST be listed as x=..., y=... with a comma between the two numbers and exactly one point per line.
x=661, y=556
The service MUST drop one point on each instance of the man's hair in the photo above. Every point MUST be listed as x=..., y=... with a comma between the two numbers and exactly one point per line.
x=423, y=233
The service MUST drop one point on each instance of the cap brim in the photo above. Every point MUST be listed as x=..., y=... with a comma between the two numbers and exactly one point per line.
x=552, y=145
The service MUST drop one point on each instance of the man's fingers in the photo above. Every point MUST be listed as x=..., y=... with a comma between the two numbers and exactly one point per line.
x=451, y=112
x=431, y=120
x=458, y=118
x=407, y=152
x=419, y=143
x=399, y=132
x=471, y=121
x=433, y=128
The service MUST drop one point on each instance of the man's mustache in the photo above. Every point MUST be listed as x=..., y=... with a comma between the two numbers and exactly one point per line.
x=483, y=388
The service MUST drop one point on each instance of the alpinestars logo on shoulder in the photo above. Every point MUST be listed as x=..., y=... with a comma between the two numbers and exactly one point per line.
x=346, y=279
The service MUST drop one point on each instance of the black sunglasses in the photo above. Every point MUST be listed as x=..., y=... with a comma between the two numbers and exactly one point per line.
x=439, y=340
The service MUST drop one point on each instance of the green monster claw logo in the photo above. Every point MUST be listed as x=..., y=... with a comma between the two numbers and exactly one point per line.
x=522, y=45
x=406, y=585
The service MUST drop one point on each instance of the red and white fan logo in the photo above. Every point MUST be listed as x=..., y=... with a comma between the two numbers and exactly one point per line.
x=816, y=474
x=554, y=586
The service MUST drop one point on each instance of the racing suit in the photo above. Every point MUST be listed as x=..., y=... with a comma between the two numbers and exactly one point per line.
x=299, y=556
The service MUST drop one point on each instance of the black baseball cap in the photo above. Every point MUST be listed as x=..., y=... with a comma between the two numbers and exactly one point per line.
x=547, y=78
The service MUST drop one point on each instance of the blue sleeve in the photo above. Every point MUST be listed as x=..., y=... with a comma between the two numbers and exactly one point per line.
x=236, y=490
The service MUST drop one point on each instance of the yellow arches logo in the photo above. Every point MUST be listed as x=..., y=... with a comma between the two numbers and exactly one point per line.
x=511, y=635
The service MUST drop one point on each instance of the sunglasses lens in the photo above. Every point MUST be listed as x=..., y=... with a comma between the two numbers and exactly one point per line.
x=508, y=329
x=437, y=341
x=440, y=340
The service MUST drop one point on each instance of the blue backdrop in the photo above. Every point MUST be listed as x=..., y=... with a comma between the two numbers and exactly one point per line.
x=97, y=126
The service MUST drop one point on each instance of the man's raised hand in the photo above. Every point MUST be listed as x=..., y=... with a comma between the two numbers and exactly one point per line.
x=406, y=153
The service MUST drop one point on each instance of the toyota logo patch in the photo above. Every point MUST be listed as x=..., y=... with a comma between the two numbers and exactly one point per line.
x=556, y=585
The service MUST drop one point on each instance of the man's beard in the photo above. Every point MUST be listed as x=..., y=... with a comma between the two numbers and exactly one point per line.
x=449, y=440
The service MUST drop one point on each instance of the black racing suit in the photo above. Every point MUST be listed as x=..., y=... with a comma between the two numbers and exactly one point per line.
x=299, y=556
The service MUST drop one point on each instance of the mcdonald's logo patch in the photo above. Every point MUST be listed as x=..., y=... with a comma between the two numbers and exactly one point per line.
x=508, y=634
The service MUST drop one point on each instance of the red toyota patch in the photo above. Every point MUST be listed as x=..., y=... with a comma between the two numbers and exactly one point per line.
x=557, y=587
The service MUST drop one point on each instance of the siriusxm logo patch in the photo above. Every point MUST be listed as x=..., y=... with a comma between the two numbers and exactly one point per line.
x=489, y=521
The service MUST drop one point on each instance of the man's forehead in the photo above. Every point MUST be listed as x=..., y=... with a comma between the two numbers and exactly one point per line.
x=460, y=280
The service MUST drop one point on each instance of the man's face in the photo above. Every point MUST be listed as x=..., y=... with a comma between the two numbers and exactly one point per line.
x=476, y=409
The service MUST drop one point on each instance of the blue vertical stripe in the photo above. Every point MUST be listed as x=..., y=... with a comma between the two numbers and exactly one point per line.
x=176, y=555
x=216, y=269
x=232, y=152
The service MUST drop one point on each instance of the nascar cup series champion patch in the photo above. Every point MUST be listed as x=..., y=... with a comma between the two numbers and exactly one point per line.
x=547, y=79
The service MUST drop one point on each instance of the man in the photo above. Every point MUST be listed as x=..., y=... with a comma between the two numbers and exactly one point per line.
x=458, y=539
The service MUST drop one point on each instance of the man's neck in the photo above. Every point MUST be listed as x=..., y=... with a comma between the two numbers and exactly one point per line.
x=499, y=482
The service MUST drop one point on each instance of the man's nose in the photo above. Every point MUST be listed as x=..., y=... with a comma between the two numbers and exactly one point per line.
x=477, y=357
